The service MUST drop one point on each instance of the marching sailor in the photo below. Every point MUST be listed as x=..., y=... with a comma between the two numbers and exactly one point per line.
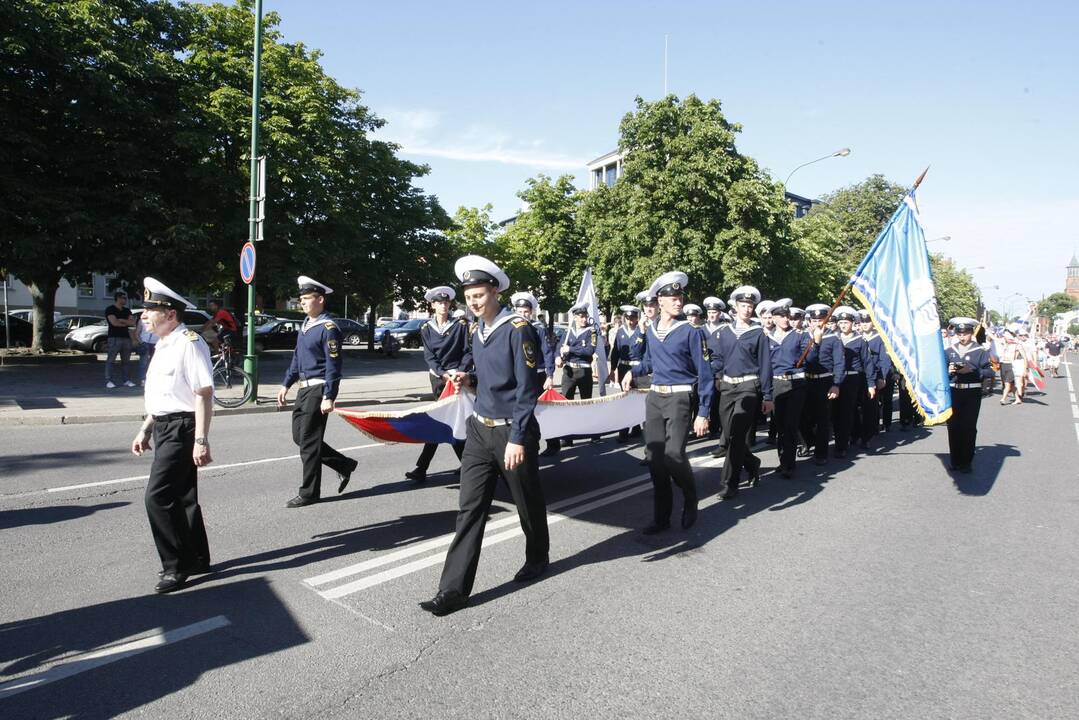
x=502, y=435
x=627, y=351
x=826, y=367
x=316, y=367
x=788, y=383
x=968, y=365
x=859, y=384
x=694, y=314
x=881, y=405
x=677, y=357
x=527, y=306
x=743, y=365
x=714, y=308
x=445, y=349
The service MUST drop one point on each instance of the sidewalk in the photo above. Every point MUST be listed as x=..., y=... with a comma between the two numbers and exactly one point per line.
x=74, y=394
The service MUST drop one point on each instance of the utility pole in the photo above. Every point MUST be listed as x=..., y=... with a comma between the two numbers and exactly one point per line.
x=251, y=359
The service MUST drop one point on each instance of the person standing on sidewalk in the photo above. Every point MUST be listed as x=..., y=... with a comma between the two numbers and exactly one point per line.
x=179, y=405
x=445, y=349
x=118, y=341
x=147, y=342
x=503, y=436
x=316, y=367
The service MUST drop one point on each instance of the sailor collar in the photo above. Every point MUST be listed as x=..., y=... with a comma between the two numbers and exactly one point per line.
x=869, y=336
x=575, y=332
x=433, y=323
x=483, y=332
x=670, y=329
x=739, y=331
x=853, y=336
x=308, y=323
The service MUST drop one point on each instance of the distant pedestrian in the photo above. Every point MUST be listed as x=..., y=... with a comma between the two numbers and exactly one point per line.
x=179, y=405
x=147, y=343
x=1053, y=348
x=118, y=341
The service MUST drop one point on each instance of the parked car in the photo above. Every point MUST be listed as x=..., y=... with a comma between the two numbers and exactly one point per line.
x=352, y=332
x=22, y=332
x=28, y=315
x=279, y=334
x=385, y=320
x=408, y=332
x=392, y=325
x=93, y=338
x=66, y=323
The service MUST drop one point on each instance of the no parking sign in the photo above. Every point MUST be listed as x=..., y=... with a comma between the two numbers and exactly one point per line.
x=247, y=263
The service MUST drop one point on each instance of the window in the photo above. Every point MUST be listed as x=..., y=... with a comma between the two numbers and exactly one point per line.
x=611, y=172
x=86, y=288
x=597, y=177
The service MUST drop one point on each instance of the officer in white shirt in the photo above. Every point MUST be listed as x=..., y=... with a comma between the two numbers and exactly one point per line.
x=179, y=399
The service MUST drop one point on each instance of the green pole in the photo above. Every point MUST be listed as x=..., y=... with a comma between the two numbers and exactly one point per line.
x=251, y=364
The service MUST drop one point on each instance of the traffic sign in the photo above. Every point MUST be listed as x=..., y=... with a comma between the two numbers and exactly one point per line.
x=247, y=263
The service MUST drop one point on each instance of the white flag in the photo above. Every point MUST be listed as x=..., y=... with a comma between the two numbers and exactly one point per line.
x=587, y=294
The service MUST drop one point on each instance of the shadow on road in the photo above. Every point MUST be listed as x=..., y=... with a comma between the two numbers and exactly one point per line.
x=51, y=514
x=259, y=624
x=988, y=462
x=13, y=464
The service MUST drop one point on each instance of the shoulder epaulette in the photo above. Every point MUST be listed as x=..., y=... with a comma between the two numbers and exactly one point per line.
x=519, y=322
x=330, y=326
x=191, y=335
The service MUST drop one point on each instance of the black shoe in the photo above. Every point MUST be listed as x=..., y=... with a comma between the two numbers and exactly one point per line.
x=787, y=473
x=416, y=475
x=345, y=477
x=820, y=461
x=550, y=451
x=530, y=571
x=689, y=514
x=841, y=453
x=804, y=451
x=723, y=497
x=170, y=581
x=642, y=461
x=623, y=437
x=755, y=475
x=656, y=528
x=444, y=603
x=719, y=452
x=567, y=443
x=299, y=501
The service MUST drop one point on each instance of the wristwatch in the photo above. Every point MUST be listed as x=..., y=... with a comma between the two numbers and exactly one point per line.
x=202, y=441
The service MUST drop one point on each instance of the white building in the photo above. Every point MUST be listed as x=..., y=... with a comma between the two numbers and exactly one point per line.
x=89, y=297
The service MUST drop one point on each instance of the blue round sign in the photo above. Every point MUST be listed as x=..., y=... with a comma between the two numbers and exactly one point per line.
x=247, y=263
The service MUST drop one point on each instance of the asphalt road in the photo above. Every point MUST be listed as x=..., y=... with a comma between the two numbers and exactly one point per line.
x=877, y=587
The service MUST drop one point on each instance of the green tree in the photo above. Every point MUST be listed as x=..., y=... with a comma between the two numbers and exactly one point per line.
x=91, y=106
x=957, y=293
x=688, y=200
x=473, y=232
x=1057, y=303
x=1073, y=329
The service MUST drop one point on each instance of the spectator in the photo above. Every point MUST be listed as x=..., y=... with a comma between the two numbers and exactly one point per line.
x=120, y=321
x=222, y=325
x=147, y=342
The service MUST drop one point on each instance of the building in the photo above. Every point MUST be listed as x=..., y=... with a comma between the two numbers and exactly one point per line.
x=1071, y=283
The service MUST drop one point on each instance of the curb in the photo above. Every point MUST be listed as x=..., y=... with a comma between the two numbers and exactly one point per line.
x=265, y=407
x=27, y=360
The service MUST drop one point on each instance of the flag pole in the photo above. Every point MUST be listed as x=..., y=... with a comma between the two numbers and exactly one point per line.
x=843, y=292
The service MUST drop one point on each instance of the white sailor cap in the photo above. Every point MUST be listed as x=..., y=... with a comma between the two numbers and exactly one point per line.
x=477, y=270
x=310, y=285
x=864, y=316
x=645, y=297
x=630, y=310
x=797, y=313
x=781, y=307
x=459, y=313
x=692, y=309
x=764, y=306
x=579, y=309
x=669, y=283
x=524, y=299
x=724, y=317
x=963, y=323
x=713, y=303
x=746, y=293
x=442, y=292
x=817, y=311
x=157, y=294
x=844, y=312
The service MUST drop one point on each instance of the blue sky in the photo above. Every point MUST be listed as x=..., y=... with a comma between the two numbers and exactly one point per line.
x=987, y=93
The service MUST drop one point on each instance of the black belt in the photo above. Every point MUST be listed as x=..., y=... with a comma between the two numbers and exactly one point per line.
x=173, y=416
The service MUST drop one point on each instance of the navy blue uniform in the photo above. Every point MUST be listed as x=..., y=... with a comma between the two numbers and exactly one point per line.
x=789, y=388
x=742, y=365
x=715, y=425
x=445, y=348
x=316, y=365
x=627, y=351
x=881, y=405
x=547, y=349
x=966, y=400
x=579, y=349
x=505, y=358
x=677, y=359
x=825, y=366
x=853, y=400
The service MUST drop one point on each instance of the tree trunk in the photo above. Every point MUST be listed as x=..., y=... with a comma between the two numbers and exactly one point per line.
x=43, y=292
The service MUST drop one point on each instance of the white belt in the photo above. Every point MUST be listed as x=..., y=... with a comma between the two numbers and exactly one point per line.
x=311, y=383
x=631, y=363
x=815, y=376
x=966, y=386
x=789, y=376
x=576, y=364
x=491, y=422
x=853, y=372
x=669, y=389
x=739, y=379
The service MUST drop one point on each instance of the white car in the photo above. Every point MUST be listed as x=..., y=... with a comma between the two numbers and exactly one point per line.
x=93, y=338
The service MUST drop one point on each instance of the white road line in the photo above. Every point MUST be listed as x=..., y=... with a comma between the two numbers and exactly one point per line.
x=209, y=468
x=1075, y=412
x=110, y=655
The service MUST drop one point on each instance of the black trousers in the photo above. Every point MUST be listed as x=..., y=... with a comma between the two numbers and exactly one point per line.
x=868, y=416
x=818, y=430
x=308, y=427
x=907, y=413
x=172, y=498
x=482, y=462
x=668, y=420
x=620, y=372
x=577, y=379
x=738, y=411
x=790, y=397
x=963, y=425
x=886, y=397
x=843, y=409
x=438, y=384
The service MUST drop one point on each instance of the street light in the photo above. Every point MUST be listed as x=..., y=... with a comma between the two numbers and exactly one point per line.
x=942, y=238
x=838, y=153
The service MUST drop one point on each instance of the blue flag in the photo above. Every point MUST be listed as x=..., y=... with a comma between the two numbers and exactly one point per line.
x=895, y=284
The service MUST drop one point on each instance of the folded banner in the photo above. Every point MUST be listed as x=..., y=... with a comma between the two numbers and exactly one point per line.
x=444, y=421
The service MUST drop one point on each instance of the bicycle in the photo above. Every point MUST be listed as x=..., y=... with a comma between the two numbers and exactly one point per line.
x=232, y=384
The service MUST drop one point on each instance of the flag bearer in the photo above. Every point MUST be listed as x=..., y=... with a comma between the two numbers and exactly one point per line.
x=968, y=365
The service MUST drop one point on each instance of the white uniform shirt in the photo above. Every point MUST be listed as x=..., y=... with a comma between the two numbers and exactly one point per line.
x=180, y=366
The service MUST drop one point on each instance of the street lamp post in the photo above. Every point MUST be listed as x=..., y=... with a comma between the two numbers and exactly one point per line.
x=251, y=359
x=838, y=153
x=942, y=238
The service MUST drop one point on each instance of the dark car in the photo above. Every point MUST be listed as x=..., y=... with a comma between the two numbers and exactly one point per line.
x=280, y=334
x=407, y=334
x=391, y=325
x=352, y=332
x=22, y=332
x=66, y=323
